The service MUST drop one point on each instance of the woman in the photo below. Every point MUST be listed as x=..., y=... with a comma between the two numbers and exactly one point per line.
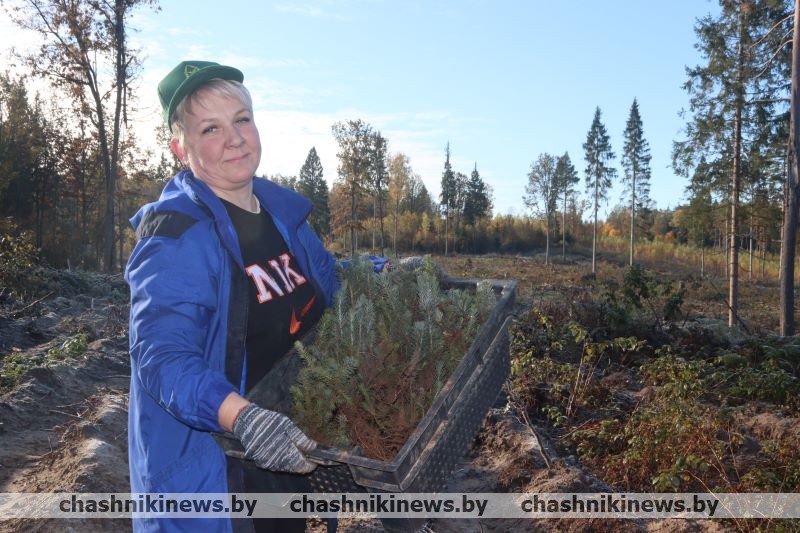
x=225, y=276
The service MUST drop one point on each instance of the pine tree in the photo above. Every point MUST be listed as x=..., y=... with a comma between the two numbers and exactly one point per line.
x=791, y=204
x=566, y=178
x=636, y=165
x=541, y=193
x=737, y=106
x=312, y=185
x=599, y=174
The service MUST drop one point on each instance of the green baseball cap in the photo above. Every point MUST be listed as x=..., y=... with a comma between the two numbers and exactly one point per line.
x=188, y=76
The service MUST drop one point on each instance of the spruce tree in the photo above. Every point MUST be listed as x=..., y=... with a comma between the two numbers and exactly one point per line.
x=457, y=211
x=566, y=178
x=477, y=203
x=447, y=197
x=636, y=165
x=599, y=173
x=312, y=185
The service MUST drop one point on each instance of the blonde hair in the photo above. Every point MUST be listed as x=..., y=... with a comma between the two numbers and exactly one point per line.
x=217, y=87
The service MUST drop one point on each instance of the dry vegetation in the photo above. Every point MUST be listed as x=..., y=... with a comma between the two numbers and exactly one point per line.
x=635, y=374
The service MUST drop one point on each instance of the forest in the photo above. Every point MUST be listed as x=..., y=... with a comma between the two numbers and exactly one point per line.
x=71, y=176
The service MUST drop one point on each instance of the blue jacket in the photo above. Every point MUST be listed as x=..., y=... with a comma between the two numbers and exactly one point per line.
x=187, y=334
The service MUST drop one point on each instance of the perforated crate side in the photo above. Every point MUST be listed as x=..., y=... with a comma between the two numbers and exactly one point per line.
x=447, y=449
x=337, y=478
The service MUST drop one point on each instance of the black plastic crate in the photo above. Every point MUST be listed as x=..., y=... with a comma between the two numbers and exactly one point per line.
x=443, y=435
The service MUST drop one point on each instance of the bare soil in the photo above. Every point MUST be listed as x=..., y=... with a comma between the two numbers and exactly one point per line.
x=63, y=428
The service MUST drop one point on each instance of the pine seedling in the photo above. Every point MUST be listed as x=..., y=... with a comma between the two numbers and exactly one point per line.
x=381, y=354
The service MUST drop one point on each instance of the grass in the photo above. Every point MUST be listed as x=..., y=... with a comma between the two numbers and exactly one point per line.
x=689, y=258
x=17, y=363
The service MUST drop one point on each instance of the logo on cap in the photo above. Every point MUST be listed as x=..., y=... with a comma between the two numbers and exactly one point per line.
x=188, y=70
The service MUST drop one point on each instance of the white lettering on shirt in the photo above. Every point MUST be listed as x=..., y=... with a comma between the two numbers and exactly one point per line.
x=290, y=273
x=267, y=285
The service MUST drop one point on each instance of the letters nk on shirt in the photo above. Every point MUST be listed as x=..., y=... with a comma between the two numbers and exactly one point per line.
x=279, y=280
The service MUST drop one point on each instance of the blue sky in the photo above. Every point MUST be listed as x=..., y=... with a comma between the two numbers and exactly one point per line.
x=501, y=81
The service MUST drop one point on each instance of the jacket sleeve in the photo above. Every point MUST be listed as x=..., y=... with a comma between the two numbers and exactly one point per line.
x=323, y=264
x=173, y=300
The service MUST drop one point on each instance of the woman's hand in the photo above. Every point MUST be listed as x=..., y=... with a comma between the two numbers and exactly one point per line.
x=230, y=409
x=272, y=441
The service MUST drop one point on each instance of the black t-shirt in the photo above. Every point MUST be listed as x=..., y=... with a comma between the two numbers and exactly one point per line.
x=283, y=304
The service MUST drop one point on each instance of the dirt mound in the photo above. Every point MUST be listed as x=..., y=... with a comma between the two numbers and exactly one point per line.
x=64, y=379
x=773, y=426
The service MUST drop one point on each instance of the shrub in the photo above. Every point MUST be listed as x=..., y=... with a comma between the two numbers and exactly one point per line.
x=642, y=300
x=18, y=255
x=669, y=444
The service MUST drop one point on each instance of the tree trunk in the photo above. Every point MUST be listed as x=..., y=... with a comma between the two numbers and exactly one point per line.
x=353, y=216
x=547, y=242
x=633, y=211
x=594, y=228
x=394, y=240
x=791, y=193
x=564, y=230
x=733, y=279
x=727, y=249
x=380, y=217
x=702, y=261
x=446, y=217
x=750, y=251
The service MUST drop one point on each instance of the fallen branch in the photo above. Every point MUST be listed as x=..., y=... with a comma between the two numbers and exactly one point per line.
x=512, y=401
x=56, y=411
x=21, y=312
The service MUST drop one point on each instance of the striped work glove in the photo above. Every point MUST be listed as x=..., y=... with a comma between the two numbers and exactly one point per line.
x=272, y=441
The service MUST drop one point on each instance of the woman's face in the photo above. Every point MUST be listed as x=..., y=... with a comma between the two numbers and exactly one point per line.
x=221, y=143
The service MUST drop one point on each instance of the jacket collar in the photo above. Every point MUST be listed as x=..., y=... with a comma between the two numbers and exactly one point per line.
x=284, y=204
x=287, y=207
